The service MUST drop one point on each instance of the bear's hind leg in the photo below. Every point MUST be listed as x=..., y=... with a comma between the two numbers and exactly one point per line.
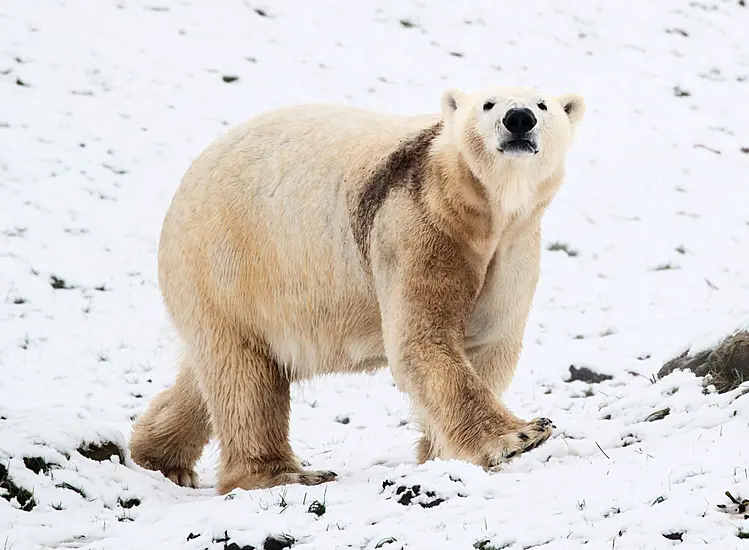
x=171, y=434
x=248, y=396
x=425, y=449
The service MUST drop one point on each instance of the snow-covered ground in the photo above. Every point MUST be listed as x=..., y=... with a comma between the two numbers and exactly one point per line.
x=104, y=104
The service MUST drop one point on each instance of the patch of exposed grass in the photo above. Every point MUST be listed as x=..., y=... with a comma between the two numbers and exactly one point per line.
x=630, y=439
x=668, y=266
x=128, y=503
x=658, y=415
x=726, y=366
x=584, y=374
x=58, y=283
x=36, y=464
x=102, y=452
x=9, y=491
x=316, y=507
x=69, y=487
x=563, y=247
x=740, y=506
x=276, y=542
x=282, y=500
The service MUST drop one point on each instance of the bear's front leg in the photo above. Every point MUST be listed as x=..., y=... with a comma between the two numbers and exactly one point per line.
x=461, y=417
x=495, y=364
x=425, y=302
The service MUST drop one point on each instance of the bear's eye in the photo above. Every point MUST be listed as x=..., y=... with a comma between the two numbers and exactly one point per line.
x=488, y=106
x=542, y=106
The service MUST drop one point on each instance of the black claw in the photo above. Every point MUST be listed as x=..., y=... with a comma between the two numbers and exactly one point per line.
x=523, y=436
x=543, y=423
x=512, y=454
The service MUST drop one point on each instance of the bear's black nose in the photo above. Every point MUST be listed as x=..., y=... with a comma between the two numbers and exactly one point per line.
x=519, y=121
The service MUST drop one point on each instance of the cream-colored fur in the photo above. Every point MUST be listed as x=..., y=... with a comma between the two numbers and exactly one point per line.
x=318, y=239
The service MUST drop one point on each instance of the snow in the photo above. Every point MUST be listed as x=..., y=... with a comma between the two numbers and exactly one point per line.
x=105, y=104
x=711, y=340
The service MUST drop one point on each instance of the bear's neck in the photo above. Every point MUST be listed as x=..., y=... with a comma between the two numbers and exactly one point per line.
x=465, y=208
x=456, y=200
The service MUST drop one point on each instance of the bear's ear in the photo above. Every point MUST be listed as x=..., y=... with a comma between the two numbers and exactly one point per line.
x=451, y=99
x=574, y=106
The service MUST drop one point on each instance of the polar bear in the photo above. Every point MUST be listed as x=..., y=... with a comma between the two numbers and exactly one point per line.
x=324, y=238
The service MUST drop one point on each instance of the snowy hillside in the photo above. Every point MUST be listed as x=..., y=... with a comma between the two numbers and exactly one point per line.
x=104, y=104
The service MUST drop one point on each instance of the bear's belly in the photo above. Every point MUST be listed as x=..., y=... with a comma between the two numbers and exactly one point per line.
x=345, y=345
x=323, y=332
x=313, y=355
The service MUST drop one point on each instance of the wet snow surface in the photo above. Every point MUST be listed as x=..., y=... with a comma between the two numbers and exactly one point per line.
x=104, y=104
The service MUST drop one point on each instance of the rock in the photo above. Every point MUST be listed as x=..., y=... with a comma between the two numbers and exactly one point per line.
x=726, y=365
x=102, y=452
x=278, y=542
x=584, y=374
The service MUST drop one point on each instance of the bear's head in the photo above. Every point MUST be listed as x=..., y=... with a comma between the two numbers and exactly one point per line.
x=520, y=133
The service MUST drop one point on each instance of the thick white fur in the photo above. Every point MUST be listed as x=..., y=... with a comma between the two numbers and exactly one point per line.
x=512, y=181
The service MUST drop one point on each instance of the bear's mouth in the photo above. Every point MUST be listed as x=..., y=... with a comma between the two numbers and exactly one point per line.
x=516, y=146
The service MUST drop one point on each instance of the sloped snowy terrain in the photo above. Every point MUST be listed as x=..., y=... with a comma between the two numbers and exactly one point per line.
x=104, y=104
